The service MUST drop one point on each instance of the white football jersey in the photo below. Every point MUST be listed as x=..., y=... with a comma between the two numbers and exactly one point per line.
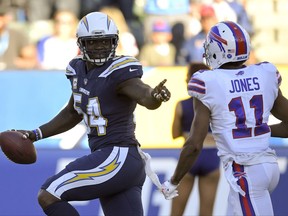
x=240, y=102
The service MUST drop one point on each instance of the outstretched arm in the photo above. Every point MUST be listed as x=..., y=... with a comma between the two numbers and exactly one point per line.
x=142, y=93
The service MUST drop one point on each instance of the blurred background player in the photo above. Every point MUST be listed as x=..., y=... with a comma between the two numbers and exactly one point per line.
x=178, y=38
x=235, y=11
x=192, y=49
x=56, y=50
x=127, y=42
x=38, y=10
x=169, y=10
x=16, y=50
x=223, y=11
x=159, y=51
x=207, y=166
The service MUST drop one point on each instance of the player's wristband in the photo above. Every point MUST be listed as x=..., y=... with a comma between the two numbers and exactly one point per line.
x=38, y=134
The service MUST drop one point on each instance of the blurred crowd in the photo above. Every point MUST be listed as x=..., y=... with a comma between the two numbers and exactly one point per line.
x=40, y=34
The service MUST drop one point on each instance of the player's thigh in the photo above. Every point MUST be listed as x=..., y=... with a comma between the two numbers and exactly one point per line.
x=264, y=176
x=126, y=203
x=101, y=173
x=256, y=178
x=263, y=179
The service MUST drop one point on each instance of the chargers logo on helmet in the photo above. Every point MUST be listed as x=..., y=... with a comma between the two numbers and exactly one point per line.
x=85, y=22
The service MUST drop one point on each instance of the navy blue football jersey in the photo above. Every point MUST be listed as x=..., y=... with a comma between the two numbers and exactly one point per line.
x=108, y=115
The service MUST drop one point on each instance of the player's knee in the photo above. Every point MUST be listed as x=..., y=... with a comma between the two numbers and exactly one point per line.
x=45, y=199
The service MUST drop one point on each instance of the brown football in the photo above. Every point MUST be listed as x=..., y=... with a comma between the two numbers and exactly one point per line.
x=16, y=148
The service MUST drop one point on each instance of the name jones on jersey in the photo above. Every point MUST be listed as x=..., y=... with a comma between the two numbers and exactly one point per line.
x=244, y=85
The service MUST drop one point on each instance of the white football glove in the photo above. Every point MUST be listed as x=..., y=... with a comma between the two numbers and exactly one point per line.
x=148, y=170
x=169, y=190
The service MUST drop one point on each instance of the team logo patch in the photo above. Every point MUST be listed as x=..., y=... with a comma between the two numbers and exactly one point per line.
x=108, y=22
x=85, y=81
x=240, y=73
x=214, y=36
x=85, y=22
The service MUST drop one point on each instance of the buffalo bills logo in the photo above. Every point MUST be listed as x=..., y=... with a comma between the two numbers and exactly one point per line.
x=214, y=36
x=240, y=73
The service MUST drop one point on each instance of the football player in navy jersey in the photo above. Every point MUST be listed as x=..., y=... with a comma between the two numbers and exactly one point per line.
x=105, y=91
x=236, y=100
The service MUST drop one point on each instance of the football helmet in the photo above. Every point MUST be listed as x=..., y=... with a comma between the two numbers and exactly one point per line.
x=226, y=42
x=97, y=37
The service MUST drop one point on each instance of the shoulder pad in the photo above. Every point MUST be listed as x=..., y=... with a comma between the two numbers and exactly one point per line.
x=120, y=62
x=70, y=71
x=196, y=85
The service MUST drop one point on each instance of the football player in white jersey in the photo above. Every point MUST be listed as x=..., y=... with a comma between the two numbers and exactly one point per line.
x=236, y=100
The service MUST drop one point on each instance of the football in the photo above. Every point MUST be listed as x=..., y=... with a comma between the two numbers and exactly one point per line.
x=17, y=149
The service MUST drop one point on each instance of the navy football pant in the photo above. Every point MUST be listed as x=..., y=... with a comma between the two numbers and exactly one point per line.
x=113, y=174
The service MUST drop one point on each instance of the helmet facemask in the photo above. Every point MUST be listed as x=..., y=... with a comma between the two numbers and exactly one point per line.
x=206, y=54
x=98, y=50
x=213, y=58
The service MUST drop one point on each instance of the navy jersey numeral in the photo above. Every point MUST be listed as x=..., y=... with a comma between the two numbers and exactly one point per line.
x=241, y=130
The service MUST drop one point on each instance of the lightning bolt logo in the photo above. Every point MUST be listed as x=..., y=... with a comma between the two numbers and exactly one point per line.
x=85, y=22
x=101, y=171
x=108, y=21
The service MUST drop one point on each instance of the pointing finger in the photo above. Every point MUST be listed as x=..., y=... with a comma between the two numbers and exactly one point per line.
x=162, y=83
